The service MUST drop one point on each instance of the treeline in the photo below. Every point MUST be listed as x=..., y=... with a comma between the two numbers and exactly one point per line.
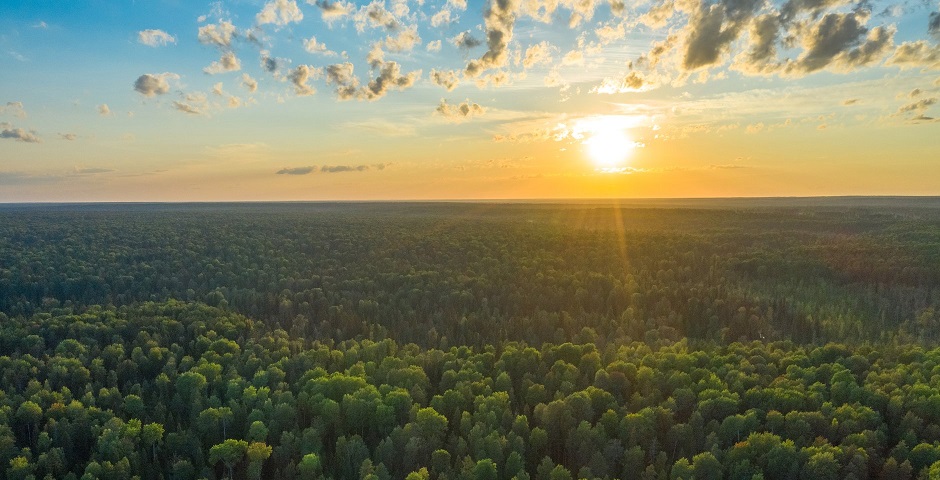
x=476, y=275
x=185, y=390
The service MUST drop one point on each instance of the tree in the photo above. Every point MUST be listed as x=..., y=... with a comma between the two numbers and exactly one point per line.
x=229, y=452
x=257, y=453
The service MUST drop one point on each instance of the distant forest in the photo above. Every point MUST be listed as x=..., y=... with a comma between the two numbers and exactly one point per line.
x=478, y=341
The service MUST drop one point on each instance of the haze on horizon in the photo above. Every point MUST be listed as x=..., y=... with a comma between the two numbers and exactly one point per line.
x=457, y=99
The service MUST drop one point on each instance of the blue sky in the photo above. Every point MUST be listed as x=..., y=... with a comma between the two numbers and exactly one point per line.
x=400, y=99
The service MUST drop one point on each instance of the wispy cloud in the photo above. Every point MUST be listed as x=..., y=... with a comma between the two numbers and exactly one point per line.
x=330, y=169
x=155, y=38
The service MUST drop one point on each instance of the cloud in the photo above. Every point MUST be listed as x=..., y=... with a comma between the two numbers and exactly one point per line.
x=150, y=84
x=104, y=110
x=466, y=41
x=18, y=134
x=332, y=11
x=390, y=76
x=712, y=28
x=384, y=128
x=352, y=168
x=460, y=112
x=574, y=57
x=330, y=169
x=434, y=46
x=312, y=45
x=376, y=16
x=68, y=136
x=537, y=54
x=13, y=108
x=300, y=76
x=91, y=170
x=268, y=63
x=792, y=8
x=155, y=38
x=227, y=63
x=220, y=34
x=850, y=101
x=341, y=75
x=279, y=12
x=608, y=33
x=761, y=57
x=839, y=42
x=298, y=170
x=447, y=79
x=917, y=111
x=441, y=18
x=499, y=20
x=632, y=82
x=917, y=54
x=41, y=25
x=186, y=108
x=249, y=83
x=405, y=41
x=755, y=128
x=933, y=25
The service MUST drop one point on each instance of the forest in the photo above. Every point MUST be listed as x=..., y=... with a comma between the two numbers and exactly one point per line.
x=470, y=341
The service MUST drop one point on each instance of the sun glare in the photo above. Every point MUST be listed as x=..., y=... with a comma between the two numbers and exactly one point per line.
x=607, y=143
x=609, y=148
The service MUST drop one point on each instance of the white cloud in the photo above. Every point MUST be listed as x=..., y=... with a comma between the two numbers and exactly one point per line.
x=312, y=45
x=220, y=34
x=279, y=12
x=155, y=38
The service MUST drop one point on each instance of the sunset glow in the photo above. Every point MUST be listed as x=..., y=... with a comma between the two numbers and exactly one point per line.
x=448, y=99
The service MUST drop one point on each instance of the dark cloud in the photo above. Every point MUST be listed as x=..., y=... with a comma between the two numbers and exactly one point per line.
x=466, y=41
x=377, y=16
x=851, y=101
x=499, y=19
x=269, y=64
x=839, y=41
x=18, y=134
x=297, y=170
x=792, y=8
x=761, y=57
x=933, y=25
x=330, y=169
x=150, y=84
x=390, y=76
x=341, y=75
x=300, y=76
x=713, y=27
x=68, y=136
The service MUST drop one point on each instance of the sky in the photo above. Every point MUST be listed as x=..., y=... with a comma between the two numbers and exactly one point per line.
x=467, y=99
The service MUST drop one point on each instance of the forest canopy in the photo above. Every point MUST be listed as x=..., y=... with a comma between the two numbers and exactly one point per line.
x=469, y=341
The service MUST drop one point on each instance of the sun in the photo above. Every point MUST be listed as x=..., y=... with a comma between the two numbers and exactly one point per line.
x=608, y=146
